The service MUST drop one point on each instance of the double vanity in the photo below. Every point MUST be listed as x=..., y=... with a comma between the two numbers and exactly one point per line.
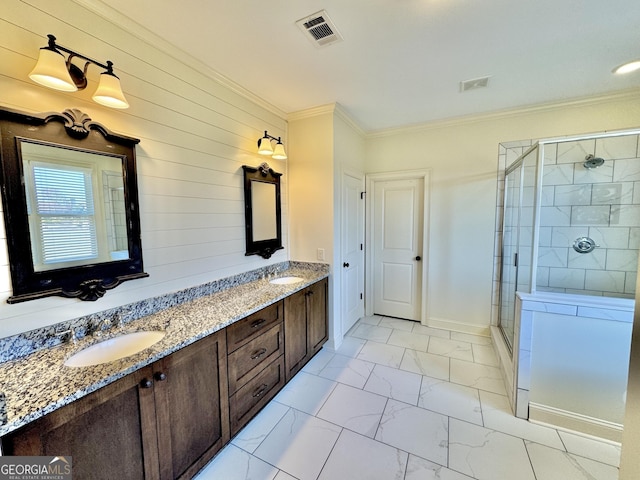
x=159, y=396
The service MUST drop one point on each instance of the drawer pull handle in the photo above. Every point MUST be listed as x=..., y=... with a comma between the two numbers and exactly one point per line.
x=261, y=389
x=257, y=323
x=258, y=353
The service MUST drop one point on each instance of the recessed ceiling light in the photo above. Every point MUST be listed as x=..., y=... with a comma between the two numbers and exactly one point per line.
x=627, y=67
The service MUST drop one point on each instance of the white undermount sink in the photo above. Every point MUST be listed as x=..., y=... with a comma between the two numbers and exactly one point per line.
x=286, y=280
x=115, y=348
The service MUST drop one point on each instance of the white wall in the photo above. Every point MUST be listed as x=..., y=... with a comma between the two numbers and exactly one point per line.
x=349, y=156
x=462, y=156
x=196, y=131
x=323, y=141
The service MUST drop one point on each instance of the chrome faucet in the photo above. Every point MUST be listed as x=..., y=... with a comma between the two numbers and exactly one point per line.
x=70, y=335
x=101, y=327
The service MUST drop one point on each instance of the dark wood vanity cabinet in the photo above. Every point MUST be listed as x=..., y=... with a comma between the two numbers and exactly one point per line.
x=164, y=421
x=110, y=433
x=190, y=393
x=167, y=420
x=305, y=325
x=256, y=363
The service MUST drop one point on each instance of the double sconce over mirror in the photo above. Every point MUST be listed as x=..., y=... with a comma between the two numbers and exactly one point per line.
x=265, y=148
x=55, y=71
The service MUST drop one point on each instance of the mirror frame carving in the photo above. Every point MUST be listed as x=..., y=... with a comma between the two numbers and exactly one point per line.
x=264, y=248
x=73, y=130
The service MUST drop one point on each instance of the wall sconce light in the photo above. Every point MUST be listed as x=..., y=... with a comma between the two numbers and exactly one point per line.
x=54, y=71
x=264, y=147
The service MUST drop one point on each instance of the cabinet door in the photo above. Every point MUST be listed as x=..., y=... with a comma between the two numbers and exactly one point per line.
x=191, y=406
x=110, y=433
x=295, y=332
x=317, y=331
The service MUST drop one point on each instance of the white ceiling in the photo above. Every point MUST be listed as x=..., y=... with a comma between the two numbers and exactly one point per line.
x=401, y=61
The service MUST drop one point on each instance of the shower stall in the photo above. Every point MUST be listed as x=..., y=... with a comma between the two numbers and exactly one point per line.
x=569, y=236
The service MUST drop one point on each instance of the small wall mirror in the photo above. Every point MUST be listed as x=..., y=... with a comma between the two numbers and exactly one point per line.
x=70, y=205
x=263, y=223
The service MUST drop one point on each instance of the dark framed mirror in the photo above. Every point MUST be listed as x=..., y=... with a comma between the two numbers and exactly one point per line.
x=70, y=197
x=263, y=223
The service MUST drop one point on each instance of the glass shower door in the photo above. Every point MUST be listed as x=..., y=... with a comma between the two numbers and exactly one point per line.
x=517, y=238
x=509, y=275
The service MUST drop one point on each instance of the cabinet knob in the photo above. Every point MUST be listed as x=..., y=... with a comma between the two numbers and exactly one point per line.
x=160, y=376
x=418, y=258
x=258, y=353
x=146, y=383
x=345, y=264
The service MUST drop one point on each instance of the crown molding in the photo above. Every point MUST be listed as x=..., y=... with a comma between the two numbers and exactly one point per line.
x=628, y=94
x=344, y=115
x=312, y=112
x=143, y=34
x=330, y=108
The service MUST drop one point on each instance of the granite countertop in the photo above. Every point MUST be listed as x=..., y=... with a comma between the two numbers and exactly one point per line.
x=40, y=383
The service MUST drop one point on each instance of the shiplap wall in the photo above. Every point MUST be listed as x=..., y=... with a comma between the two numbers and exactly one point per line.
x=196, y=131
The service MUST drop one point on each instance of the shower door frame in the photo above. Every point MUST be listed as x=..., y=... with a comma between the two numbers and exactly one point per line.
x=519, y=163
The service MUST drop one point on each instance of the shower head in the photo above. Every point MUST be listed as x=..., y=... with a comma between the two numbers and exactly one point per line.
x=591, y=161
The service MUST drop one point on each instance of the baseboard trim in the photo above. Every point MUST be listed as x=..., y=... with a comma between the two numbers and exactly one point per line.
x=575, y=422
x=483, y=330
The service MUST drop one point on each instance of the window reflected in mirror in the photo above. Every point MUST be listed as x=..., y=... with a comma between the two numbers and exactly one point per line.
x=75, y=205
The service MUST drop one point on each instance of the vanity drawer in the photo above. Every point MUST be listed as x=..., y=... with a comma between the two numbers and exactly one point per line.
x=247, y=360
x=255, y=394
x=250, y=327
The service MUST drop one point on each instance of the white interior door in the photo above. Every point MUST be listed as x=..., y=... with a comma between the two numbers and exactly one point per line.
x=397, y=242
x=352, y=251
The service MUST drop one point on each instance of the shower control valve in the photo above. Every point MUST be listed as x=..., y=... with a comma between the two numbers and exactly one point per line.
x=584, y=245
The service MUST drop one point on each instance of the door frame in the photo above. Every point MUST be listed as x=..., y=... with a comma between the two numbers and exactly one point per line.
x=371, y=180
x=360, y=176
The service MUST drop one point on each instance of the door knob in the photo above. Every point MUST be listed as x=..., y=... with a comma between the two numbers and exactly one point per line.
x=345, y=265
x=418, y=258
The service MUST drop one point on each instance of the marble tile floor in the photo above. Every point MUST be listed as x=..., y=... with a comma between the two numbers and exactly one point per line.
x=400, y=401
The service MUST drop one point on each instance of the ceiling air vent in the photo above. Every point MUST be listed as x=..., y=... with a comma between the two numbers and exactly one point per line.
x=319, y=29
x=474, y=83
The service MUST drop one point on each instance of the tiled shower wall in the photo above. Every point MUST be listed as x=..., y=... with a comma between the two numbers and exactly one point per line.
x=603, y=204
x=572, y=206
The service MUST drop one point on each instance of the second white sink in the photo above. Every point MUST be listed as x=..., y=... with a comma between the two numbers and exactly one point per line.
x=114, y=348
x=286, y=280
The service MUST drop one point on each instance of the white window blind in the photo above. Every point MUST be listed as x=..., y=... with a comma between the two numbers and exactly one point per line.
x=65, y=213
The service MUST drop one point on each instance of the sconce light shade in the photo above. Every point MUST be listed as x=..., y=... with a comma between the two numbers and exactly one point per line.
x=109, y=93
x=54, y=71
x=278, y=151
x=264, y=146
x=51, y=71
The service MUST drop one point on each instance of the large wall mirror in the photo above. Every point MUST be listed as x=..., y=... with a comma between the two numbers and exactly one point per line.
x=263, y=222
x=70, y=200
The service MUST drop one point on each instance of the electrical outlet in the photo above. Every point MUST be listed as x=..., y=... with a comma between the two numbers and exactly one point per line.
x=321, y=254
